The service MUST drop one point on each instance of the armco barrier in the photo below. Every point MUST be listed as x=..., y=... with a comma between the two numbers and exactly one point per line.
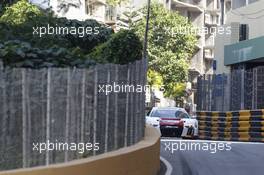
x=140, y=159
x=246, y=125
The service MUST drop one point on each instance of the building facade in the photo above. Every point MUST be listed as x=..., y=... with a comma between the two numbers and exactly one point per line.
x=98, y=10
x=240, y=55
x=243, y=47
x=81, y=9
x=206, y=16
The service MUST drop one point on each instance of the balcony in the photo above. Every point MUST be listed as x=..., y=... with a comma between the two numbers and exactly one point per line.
x=97, y=2
x=175, y=4
x=110, y=15
x=213, y=11
x=209, y=43
x=210, y=20
x=208, y=54
x=213, y=6
x=95, y=9
x=190, y=1
x=196, y=66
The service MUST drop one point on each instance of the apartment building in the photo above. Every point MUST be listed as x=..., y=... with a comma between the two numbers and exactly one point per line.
x=243, y=47
x=205, y=15
x=92, y=9
x=81, y=9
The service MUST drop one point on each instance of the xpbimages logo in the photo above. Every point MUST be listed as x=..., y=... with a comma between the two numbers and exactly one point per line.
x=124, y=88
x=62, y=146
x=59, y=30
x=212, y=147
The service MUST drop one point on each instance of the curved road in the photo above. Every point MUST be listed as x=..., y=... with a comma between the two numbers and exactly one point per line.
x=196, y=157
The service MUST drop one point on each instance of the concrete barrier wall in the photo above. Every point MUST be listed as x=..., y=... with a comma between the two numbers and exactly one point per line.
x=140, y=159
x=245, y=125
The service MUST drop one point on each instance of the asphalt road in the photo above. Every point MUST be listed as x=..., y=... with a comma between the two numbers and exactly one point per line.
x=195, y=157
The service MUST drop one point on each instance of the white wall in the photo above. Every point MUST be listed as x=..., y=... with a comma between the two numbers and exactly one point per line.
x=164, y=102
x=220, y=41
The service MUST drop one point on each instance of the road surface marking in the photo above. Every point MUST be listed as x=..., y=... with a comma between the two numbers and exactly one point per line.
x=168, y=165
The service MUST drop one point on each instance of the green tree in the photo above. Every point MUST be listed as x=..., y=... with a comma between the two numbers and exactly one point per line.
x=18, y=22
x=6, y=3
x=154, y=78
x=19, y=47
x=128, y=18
x=169, y=51
x=20, y=13
x=116, y=2
x=123, y=47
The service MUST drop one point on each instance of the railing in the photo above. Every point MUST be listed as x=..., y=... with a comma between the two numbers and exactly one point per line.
x=210, y=20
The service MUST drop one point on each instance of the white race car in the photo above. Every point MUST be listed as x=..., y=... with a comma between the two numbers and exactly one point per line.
x=173, y=121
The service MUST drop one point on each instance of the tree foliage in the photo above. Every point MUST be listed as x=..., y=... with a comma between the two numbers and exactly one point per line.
x=20, y=13
x=128, y=18
x=20, y=48
x=154, y=78
x=15, y=53
x=116, y=2
x=122, y=48
x=168, y=50
x=18, y=21
x=177, y=89
x=6, y=3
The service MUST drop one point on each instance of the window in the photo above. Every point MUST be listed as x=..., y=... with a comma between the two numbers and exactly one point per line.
x=251, y=1
x=238, y=3
x=163, y=113
x=214, y=65
x=189, y=15
x=241, y=3
x=217, y=19
x=110, y=14
x=243, y=32
x=148, y=113
x=180, y=114
x=218, y=4
x=87, y=9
